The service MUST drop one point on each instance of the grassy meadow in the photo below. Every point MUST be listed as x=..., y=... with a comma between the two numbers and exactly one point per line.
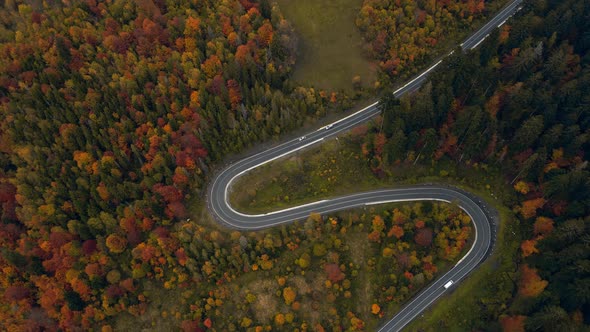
x=330, y=45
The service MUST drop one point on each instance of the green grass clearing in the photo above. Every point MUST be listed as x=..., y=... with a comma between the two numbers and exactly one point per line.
x=330, y=45
x=308, y=176
x=337, y=167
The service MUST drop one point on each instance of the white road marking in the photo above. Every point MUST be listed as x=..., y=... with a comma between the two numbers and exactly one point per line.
x=479, y=42
x=424, y=73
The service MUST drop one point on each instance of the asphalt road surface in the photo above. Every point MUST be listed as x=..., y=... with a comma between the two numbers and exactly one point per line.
x=485, y=223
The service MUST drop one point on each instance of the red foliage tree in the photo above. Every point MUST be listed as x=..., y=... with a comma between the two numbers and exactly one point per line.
x=15, y=293
x=168, y=193
x=378, y=143
x=408, y=275
x=513, y=323
x=242, y=54
x=216, y=85
x=235, y=96
x=265, y=34
x=181, y=256
x=247, y=4
x=177, y=209
x=423, y=237
x=334, y=273
x=7, y=192
x=114, y=292
x=89, y=247
x=58, y=239
x=403, y=259
x=374, y=236
x=191, y=326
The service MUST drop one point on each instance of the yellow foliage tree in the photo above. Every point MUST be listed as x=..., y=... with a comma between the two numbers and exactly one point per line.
x=289, y=317
x=304, y=260
x=116, y=243
x=522, y=187
x=387, y=252
x=246, y=322
x=398, y=217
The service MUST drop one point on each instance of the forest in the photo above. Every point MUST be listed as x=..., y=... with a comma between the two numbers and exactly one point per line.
x=113, y=116
x=405, y=36
x=520, y=104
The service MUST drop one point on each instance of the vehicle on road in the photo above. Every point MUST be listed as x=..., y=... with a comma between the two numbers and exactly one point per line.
x=301, y=138
x=448, y=284
x=328, y=126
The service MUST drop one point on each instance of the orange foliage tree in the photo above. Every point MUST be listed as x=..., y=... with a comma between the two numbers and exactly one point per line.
x=512, y=323
x=529, y=208
x=543, y=226
x=289, y=295
x=375, y=309
x=528, y=247
x=397, y=231
x=530, y=284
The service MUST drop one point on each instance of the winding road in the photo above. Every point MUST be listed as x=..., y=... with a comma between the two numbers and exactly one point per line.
x=485, y=222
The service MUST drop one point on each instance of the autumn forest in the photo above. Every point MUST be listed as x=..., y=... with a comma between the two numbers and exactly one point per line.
x=115, y=115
